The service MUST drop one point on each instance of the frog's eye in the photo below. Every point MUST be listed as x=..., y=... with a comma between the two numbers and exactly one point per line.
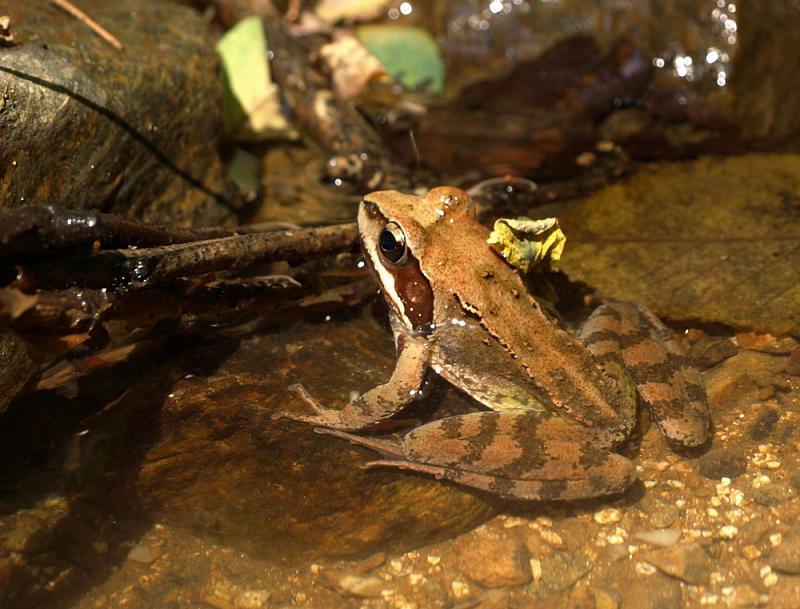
x=392, y=242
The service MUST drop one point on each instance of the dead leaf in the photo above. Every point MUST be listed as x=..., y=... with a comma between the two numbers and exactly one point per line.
x=717, y=240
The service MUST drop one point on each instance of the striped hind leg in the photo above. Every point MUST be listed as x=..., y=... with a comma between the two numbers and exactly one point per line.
x=513, y=454
x=624, y=334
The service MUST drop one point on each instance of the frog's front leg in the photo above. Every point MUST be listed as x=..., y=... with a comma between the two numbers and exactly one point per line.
x=381, y=402
x=526, y=455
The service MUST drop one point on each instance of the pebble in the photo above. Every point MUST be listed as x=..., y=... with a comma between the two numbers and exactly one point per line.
x=560, y=570
x=607, y=516
x=369, y=586
x=660, y=514
x=688, y=562
x=144, y=553
x=728, y=531
x=722, y=463
x=773, y=494
x=786, y=556
x=493, y=557
x=663, y=538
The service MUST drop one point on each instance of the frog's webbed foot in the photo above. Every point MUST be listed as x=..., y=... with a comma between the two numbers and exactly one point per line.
x=388, y=448
x=520, y=455
x=325, y=417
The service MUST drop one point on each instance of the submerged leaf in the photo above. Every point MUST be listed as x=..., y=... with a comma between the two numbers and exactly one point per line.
x=717, y=240
x=524, y=243
x=410, y=55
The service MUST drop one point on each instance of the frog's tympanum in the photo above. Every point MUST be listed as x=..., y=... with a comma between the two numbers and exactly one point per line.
x=559, y=403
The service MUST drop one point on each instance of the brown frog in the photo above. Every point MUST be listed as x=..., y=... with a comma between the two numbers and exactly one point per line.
x=559, y=403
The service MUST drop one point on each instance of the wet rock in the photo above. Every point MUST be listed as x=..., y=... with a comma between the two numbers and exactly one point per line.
x=203, y=452
x=723, y=463
x=786, y=557
x=561, y=569
x=767, y=419
x=493, y=557
x=134, y=131
x=16, y=366
x=735, y=384
x=773, y=494
x=710, y=351
x=766, y=343
x=659, y=513
x=33, y=530
x=688, y=562
x=654, y=591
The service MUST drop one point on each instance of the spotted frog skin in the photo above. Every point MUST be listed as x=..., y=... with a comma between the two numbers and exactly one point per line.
x=559, y=404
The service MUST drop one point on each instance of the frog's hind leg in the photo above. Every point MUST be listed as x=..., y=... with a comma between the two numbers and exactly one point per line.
x=518, y=455
x=631, y=335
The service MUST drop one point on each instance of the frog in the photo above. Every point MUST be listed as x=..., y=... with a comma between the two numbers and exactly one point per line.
x=558, y=404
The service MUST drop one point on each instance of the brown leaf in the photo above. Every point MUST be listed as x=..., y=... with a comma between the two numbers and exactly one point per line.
x=717, y=239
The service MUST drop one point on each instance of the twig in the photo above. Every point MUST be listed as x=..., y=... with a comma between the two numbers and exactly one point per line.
x=38, y=231
x=137, y=268
x=358, y=152
x=96, y=27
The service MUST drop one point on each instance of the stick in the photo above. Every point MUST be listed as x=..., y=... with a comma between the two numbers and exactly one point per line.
x=136, y=268
x=96, y=27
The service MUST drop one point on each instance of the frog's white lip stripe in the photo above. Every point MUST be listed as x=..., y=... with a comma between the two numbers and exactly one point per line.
x=386, y=278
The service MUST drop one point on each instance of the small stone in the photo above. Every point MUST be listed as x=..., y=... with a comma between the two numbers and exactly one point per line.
x=663, y=538
x=742, y=596
x=709, y=351
x=688, y=562
x=767, y=419
x=607, y=516
x=585, y=159
x=786, y=557
x=560, y=570
x=728, y=531
x=251, y=599
x=144, y=553
x=722, y=463
x=660, y=514
x=766, y=343
x=493, y=558
x=460, y=589
x=552, y=539
x=368, y=586
x=773, y=494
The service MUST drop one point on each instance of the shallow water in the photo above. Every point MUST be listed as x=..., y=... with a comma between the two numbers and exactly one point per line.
x=163, y=481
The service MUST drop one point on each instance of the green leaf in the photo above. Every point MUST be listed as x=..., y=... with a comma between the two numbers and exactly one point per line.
x=410, y=55
x=245, y=71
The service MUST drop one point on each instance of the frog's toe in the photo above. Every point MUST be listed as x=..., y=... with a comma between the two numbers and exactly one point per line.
x=385, y=447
